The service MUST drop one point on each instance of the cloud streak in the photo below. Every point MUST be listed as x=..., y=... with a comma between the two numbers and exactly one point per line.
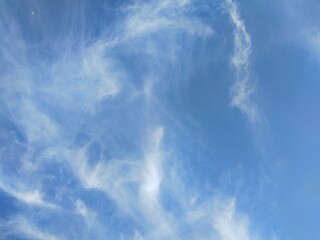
x=30, y=195
x=243, y=87
x=231, y=225
x=21, y=227
x=95, y=141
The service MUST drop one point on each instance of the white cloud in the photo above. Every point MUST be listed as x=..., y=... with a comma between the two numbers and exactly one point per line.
x=151, y=173
x=243, y=87
x=133, y=184
x=33, y=198
x=312, y=38
x=315, y=42
x=137, y=188
x=158, y=16
x=96, y=67
x=137, y=236
x=229, y=224
x=21, y=227
x=81, y=208
x=38, y=126
x=87, y=214
x=77, y=83
x=24, y=194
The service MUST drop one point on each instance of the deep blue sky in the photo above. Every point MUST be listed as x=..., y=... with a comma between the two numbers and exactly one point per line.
x=172, y=119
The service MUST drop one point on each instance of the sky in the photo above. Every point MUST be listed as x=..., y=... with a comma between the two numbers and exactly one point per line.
x=162, y=119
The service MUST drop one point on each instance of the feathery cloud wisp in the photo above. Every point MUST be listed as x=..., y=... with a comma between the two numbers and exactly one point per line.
x=20, y=226
x=86, y=138
x=243, y=87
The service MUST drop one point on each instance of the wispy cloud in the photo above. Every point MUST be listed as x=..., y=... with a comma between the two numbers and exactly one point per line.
x=243, y=87
x=137, y=186
x=144, y=19
x=21, y=227
x=311, y=40
x=229, y=224
x=87, y=214
x=152, y=175
x=134, y=184
x=22, y=193
x=89, y=119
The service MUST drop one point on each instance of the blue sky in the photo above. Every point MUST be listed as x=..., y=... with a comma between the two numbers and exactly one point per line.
x=172, y=119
